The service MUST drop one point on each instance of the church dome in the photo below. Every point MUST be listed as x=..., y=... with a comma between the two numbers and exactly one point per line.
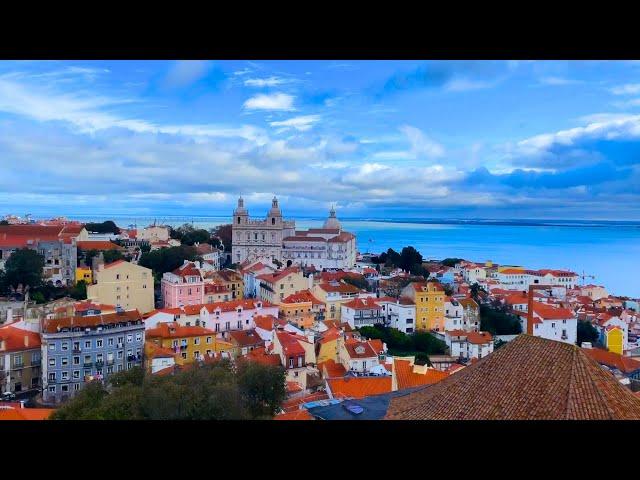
x=332, y=222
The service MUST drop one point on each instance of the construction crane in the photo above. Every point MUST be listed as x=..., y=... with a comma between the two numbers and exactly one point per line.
x=584, y=276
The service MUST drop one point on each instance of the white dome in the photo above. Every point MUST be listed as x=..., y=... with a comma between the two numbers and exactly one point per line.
x=332, y=222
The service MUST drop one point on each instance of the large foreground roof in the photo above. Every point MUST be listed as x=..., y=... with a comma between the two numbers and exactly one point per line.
x=530, y=378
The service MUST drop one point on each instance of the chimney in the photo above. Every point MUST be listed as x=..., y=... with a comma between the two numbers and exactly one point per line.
x=530, y=310
x=26, y=340
x=9, y=316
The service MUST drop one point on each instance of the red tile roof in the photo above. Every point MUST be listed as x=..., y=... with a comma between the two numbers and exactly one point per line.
x=290, y=344
x=613, y=360
x=548, y=312
x=339, y=287
x=175, y=330
x=366, y=303
x=97, y=245
x=15, y=339
x=245, y=338
x=278, y=275
x=265, y=322
x=260, y=355
x=357, y=349
x=231, y=305
x=25, y=413
x=302, y=414
x=530, y=378
x=302, y=296
x=55, y=324
x=359, y=387
x=407, y=378
x=333, y=369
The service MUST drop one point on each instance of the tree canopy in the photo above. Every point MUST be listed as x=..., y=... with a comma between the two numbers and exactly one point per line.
x=419, y=344
x=217, y=391
x=498, y=321
x=24, y=267
x=586, y=332
x=224, y=232
x=451, y=262
x=111, y=256
x=105, y=227
x=188, y=235
x=168, y=259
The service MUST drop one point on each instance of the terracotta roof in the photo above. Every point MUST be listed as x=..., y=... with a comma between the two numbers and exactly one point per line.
x=302, y=296
x=547, y=312
x=245, y=338
x=293, y=387
x=156, y=351
x=25, y=413
x=613, y=360
x=339, y=287
x=407, y=378
x=342, y=237
x=278, y=275
x=530, y=378
x=175, y=330
x=303, y=238
x=97, y=245
x=302, y=414
x=265, y=322
x=187, y=270
x=332, y=333
x=334, y=369
x=53, y=325
x=512, y=271
x=366, y=303
x=260, y=355
x=215, y=288
x=231, y=305
x=290, y=344
x=476, y=338
x=113, y=264
x=517, y=298
x=15, y=339
x=359, y=387
x=357, y=349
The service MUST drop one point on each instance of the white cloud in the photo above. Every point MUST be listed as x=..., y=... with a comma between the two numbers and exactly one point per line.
x=301, y=123
x=558, y=81
x=274, y=101
x=265, y=82
x=628, y=89
x=464, y=85
x=186, y=72
x=421, y=144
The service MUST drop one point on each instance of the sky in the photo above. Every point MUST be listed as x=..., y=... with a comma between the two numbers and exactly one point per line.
x=378, y=139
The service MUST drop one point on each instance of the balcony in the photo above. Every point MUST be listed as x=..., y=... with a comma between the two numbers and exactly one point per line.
x=77, y=350
x=35, y=363
x=110, y=362
x=87, y=364
x=99, y=364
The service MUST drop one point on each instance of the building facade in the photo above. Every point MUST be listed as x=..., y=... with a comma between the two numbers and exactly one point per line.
x=123, y=284
x=80, y=349
x=183, y=286
x=20, y=360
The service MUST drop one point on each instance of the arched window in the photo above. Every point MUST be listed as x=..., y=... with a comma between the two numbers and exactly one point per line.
x=238, y=219
x=273, y=221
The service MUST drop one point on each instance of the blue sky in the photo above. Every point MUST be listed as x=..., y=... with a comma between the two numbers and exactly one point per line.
x=464, y=139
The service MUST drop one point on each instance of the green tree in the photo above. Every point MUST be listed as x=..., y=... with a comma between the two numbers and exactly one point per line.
x=168, y=259
x=410, y=257
x=262, y=388
x=88, y=256
x=357, y=281
x=79, y=290
x=38, y=297
x=111, y=256
x=105, y=227
x=145, y=248
x=451, y=262
x=498, y=321
x=224, y=232
x=586, y=332
x=86, y=405
x=24, y=267
x=4, y=222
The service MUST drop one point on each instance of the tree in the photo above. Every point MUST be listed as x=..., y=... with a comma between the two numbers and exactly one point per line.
x=105, y=227
x=409, y=257
x=357, y=281
x=79, y=291
x=277, y=263
x=498, y=321
x=224, y=232
x=262, y=388
x=448, y=289
x=111, y=256
x=188, y=235
x=215, y=391
x=586, y=332
x=451, y=262
x=168, y=259
x=145, y=248
x=4, y=222
x=88, y=256
x=24, y=267
x=475, y=290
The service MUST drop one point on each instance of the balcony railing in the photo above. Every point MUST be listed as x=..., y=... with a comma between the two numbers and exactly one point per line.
x=88, y=364
x=99, y=363
x=77, y=350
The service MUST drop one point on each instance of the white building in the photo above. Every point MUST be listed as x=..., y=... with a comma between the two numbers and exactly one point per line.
x=553, y=323
x=468, y=345
x=453, y=314
x=276, y=238
x=400, y=313
x=474, y=274
x=153, y=234
x=250, y=274
x=362, y=312
x=224, y=317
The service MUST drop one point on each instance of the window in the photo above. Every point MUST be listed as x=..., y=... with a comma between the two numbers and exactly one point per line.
x=184, y=355
x=65, y=375
x=76, y=374
x=52, y=389
x=87, y=344
x=76, y=387
x=52, y=362
x=98, y=343
x=64, y=361
x=138, y=337
x=129, y=338
x=208, y=339
x=110, y=342
x=52, y=346
x=196, y=341
x=64, y=347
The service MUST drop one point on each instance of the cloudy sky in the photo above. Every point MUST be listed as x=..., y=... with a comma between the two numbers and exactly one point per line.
x=474, y=139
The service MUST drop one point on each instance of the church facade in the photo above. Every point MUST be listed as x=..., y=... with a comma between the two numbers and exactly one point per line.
x=275, y=238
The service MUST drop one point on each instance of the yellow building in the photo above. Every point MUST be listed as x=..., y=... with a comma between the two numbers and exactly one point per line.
x=83, y=273
x=125, y=284
x=191, y=343
x=614, y=340
x=333, y=295
x=429, y=300
x=229, y=279
x=301, y=308
x=329, y=345
x=276, y=286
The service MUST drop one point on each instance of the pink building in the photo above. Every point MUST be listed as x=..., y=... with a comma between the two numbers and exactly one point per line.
x=183, y=286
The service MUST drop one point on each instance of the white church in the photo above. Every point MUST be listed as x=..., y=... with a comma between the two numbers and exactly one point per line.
x=328, y=247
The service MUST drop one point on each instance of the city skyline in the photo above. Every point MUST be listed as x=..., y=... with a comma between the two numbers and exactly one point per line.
x=380, y=139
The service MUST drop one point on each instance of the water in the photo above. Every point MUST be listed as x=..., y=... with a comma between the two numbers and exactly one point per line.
x=610, y=252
